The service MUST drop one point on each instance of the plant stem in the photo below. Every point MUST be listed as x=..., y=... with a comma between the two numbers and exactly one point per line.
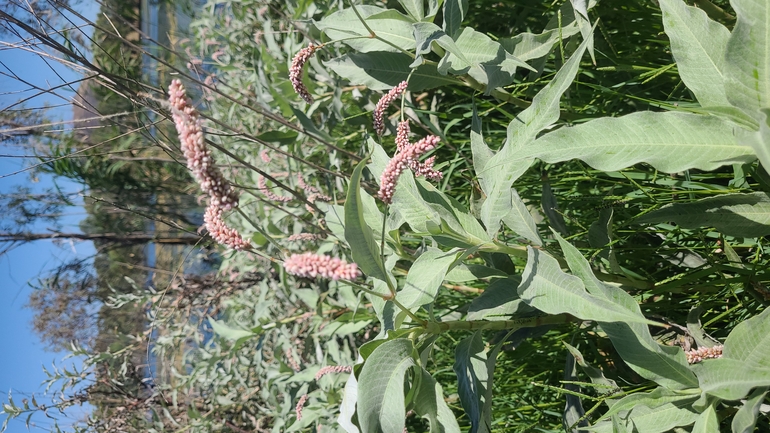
x=262, y=231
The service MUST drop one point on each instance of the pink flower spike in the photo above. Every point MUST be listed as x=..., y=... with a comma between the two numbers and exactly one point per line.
x=400, y=162
x=295, y=71
x=698, y=355
x=402, y=136
x=309, y=265
x=379, y=109
x=333, y=369
x=220, y=231
x=300, y=406
x=199, y=158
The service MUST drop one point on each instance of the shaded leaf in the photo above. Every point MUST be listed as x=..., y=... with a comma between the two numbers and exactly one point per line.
x=381, y=406
x=364, y=248
x=425, y=277
x=384, y=70
x=747, y=62
x=741, y=215
x=499, y=301
x=429, y=403
x=471, y=369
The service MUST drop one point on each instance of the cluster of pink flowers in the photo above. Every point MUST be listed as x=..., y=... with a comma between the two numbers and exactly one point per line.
x=300, y=405
x=698, y=355
x=382, y=104
x=291, y=360
x=262, y=184
x=333, y=369
x=200, y=161
x=296, y=68
x=197, y=154
x=311, y=265
x=219, y=230
x=408, y=157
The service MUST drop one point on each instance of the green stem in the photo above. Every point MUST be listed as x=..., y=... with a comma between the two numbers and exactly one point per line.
x=422, y=322
x=366, y=290
x=262, y=231
x=477, y=325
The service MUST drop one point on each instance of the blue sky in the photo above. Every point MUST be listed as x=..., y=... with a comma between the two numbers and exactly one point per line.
x=23, y=354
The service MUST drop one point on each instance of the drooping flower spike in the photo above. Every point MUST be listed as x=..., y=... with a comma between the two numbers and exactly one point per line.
x=296, y=68
x=220, y=231
x=383, y=103
x=199, y=159
x=201, y=162
x=333, y=369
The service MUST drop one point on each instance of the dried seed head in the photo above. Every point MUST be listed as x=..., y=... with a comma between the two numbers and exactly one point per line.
x=296, y=68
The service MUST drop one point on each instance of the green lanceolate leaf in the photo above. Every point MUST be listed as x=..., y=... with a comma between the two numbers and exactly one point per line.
x=699, y=46
x=227, y=332
x=415, y=8
x=746, y=417
x=741, y=215
x=483, y=59
x=457, y=217
x=605, y=387
x=643, y=419
x=388, y=24
x=364, y=248
x=454, y=14
x=747, y=66
x=670, y=142
x=520, y=220
x=707, y=422
x=529, y=46
x=429, y=403
x=499, y=301
x=471, y=370
x=655, y=398
x=600, y=236
x=546, y=287
x=426, y=34
x=665, y=365
x=381, y=406
x=760, y=140
x=384, y=70
x=505, y=167
x=425, y=277
x=481, y=152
